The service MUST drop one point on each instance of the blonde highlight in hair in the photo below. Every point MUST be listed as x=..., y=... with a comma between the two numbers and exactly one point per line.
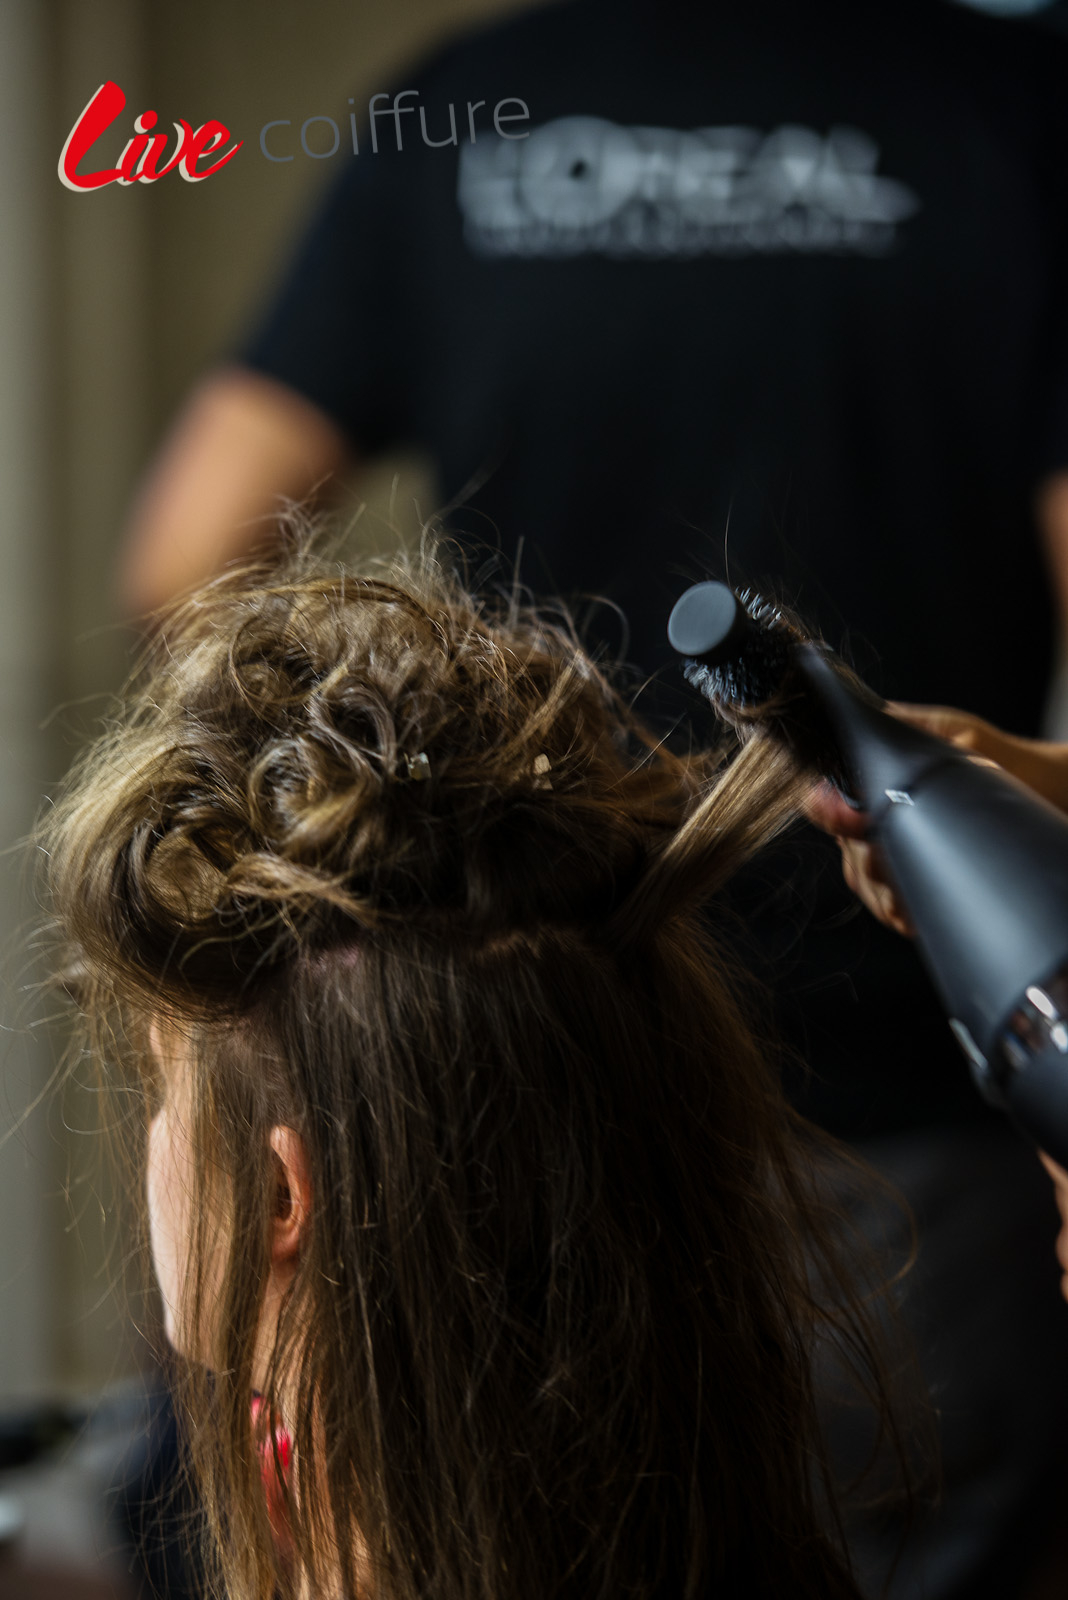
x=409, y=878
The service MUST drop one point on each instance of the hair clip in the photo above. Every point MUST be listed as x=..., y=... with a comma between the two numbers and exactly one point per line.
x=417, y=767
x=542, y=765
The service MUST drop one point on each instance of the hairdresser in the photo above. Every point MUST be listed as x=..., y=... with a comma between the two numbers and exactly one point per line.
x=791, y=271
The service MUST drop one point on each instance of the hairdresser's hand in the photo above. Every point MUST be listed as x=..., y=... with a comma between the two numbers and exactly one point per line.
x=1060, y=1190
x=862, y=864
x=1042, y=765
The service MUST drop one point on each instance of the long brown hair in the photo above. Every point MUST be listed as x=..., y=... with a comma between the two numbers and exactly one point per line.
x=412, y=880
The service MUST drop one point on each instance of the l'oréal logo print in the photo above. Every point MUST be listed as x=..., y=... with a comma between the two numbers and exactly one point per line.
x=584, y=185
x=148, y=156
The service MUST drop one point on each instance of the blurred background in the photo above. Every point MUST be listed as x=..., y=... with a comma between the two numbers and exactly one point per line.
x=111, y=304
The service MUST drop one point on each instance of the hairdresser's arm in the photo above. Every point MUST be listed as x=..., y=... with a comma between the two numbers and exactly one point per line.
x=243, y=443
x=1060, y=1190
x=1040, y=763
x=1051, y=512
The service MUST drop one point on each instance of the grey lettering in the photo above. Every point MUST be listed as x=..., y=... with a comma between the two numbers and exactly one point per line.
x=436, y=144
x=471, y=109
x=263, y=140
x=499, y=116
x=319, y=155
x=583, y=184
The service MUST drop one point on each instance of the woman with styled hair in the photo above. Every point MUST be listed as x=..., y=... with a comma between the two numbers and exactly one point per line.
x=463, y=1156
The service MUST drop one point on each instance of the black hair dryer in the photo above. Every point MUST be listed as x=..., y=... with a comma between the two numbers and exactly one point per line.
x=978, y=861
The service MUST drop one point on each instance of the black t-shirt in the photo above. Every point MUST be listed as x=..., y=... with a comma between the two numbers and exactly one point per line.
x=780, y=285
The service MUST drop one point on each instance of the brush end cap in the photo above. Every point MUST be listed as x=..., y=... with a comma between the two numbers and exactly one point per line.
x=709, y=624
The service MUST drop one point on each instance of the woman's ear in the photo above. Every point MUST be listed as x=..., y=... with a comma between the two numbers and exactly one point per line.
x=294, y=1194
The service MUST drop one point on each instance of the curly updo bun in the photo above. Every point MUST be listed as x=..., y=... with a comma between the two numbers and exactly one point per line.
x=317, y=753
x=311, y=754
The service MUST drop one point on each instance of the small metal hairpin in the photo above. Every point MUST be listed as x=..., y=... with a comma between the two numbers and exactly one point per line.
x=417, y=767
